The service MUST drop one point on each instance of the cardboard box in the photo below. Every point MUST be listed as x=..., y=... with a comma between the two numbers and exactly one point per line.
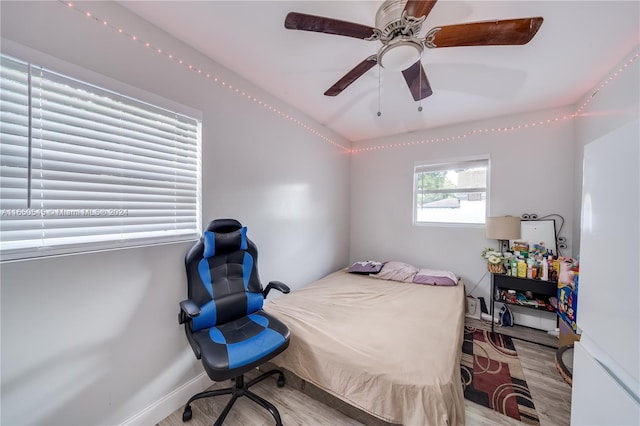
x=567, y=336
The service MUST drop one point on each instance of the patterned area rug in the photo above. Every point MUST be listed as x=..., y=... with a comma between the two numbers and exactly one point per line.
x=492, y=375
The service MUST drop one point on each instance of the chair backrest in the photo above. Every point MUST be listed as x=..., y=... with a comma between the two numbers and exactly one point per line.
x=222, y=274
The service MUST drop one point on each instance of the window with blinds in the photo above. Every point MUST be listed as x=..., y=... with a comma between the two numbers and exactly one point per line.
x=83, y=168
x=451, y=192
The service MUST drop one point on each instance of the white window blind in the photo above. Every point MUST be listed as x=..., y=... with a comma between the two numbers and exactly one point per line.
x=83, y=168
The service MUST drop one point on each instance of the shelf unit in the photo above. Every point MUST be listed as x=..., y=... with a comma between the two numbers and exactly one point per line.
x=540, y=289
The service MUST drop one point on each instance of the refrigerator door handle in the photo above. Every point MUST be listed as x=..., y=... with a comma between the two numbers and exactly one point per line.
x=624, y=379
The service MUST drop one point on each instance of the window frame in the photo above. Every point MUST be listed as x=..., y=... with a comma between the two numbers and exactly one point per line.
x=121, y=91
x=446, y=164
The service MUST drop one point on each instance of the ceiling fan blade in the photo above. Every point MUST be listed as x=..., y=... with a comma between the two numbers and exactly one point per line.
x=418, y=8
x=319, y=24
x=488, y=33
x=417, y=81
x=352, y=76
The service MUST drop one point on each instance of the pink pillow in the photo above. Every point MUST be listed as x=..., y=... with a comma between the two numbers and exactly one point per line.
x=435, y=277
x=397, y=271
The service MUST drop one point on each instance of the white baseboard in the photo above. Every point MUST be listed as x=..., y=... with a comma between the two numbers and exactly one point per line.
x=159, y=410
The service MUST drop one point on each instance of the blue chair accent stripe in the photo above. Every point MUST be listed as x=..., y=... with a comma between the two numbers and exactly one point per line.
x=244, y=245
x=205, y=275
x=247, y=267
x=259, y=319
x=209, y=243
x=216, y=336
x=208, y=316
x=254, y=303
x=250, y=350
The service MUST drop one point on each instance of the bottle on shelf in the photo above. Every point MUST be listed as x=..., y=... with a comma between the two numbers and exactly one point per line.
x=545, y=270
x=514, y=267
x=522, y=269
x=554, y=267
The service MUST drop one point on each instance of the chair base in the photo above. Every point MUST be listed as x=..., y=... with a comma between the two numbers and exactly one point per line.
x=240, y=389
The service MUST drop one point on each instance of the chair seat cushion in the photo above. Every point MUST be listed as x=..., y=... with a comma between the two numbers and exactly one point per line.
x=234, y=347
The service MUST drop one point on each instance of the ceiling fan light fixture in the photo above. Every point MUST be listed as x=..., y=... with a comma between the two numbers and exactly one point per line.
x=400, y=54
x=398, y=28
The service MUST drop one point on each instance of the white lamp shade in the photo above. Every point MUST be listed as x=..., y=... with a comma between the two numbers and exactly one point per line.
x=503, y=228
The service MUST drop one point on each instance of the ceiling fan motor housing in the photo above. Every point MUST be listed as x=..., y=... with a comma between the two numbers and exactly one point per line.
x=398, y=34
x=390, y=22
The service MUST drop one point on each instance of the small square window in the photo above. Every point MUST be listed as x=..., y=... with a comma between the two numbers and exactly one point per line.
x=450, y=192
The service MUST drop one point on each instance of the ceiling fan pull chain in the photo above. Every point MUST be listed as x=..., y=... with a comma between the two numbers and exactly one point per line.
x=379, y=72
x=420, y=88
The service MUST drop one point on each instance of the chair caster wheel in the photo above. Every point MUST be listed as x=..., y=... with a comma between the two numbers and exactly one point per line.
x=281, y=382
x=186, y=415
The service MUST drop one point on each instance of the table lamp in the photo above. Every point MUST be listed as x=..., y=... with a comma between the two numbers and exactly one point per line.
x=503, y=229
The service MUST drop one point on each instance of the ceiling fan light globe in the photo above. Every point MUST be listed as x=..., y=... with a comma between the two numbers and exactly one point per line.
x=400, y=54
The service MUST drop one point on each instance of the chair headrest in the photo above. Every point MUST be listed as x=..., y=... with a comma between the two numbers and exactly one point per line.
x=223, y=225
x=224, y=242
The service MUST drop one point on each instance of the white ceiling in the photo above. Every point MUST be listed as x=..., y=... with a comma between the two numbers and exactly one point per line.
x=577, y=46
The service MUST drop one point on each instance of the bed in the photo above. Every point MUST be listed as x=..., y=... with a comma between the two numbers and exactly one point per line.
x=389, y=348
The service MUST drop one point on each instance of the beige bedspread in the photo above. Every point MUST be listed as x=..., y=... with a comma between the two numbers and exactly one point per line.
x=389, y=348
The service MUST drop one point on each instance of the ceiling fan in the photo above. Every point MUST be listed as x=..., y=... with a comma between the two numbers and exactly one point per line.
x=398, y=25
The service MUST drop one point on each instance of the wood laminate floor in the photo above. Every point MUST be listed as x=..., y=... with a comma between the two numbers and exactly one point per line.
x=551, y=396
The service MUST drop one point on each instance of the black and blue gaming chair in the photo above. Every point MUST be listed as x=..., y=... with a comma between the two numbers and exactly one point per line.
x=223, y=317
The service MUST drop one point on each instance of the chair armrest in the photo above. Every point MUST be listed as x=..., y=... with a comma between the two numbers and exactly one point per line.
x=188, y=310
x=278, y=285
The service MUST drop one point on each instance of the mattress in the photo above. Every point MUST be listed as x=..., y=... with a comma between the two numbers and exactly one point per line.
x=391, y=349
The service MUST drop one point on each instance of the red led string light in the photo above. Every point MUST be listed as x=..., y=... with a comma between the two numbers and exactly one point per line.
x=204, y=74
x=607, y=81
x=550, y=121
x=465, y=135
x=294, y=120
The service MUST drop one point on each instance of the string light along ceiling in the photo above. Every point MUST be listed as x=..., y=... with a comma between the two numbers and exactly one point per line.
x=292, y=119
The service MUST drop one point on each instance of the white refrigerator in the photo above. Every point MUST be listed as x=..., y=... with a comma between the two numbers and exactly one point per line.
x=606, y=375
